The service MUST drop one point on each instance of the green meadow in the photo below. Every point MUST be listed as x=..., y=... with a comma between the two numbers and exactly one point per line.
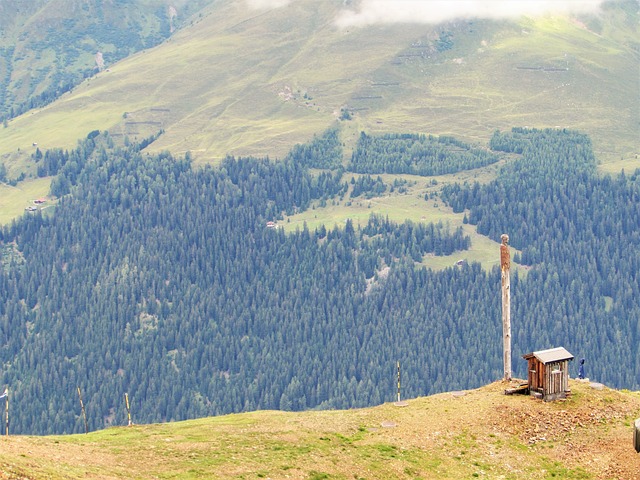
x=14, y=200
x=479, y=433
x=243, y=82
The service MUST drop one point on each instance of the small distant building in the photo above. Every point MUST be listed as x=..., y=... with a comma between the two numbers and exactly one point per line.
x=271, y=225
x=40, y=200
x=548, y=376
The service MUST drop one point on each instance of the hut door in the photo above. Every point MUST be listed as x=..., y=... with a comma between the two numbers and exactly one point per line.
x=533, y=379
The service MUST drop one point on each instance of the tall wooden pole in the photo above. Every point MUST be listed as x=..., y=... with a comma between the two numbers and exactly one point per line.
x=505, y=265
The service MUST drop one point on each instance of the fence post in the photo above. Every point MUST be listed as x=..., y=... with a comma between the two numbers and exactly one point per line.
x=126, y=400
x=84, y=414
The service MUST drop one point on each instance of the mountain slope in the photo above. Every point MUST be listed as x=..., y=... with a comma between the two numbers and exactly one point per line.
x=245, y=81
x=472, y=434
x=47, y=47
x=167, y=282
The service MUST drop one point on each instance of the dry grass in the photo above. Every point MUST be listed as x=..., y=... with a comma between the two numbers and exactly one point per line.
x=477, y=433
x=223, y=84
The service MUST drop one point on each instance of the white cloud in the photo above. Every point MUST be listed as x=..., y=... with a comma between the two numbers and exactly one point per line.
x=267, y=4
x=371, y=12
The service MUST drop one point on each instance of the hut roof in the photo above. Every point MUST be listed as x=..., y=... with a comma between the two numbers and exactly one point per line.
x=551, y=355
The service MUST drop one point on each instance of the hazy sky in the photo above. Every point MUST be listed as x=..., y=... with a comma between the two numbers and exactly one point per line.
x=370, y=12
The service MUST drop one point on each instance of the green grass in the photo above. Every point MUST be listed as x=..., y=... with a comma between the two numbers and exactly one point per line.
x=408, y=206
x=14, y=200
x=253, y=83
x=555, y=470
x=441, y=436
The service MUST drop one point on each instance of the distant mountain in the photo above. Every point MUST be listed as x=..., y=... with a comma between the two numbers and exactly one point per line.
x=48, y=46
x=144, y=274
x=244, y=80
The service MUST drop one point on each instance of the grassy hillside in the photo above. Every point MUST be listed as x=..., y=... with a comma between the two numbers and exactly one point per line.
x=244, y=81
x=14, y=200
x=410, y=205
x=47, y=47
x=473, y=434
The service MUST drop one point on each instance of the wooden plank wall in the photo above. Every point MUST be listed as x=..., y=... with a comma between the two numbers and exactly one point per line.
x=556, y=379
x=542, y=379
x=536, y=374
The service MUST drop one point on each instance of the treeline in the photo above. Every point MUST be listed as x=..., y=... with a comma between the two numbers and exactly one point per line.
x=368, y=186
x=323, y=151
x=413, y=154
x=416, y=155
x=164, y=282
x=168, y=283
x=579, y=232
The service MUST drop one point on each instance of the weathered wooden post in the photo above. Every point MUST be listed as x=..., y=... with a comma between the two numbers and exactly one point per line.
x=5, y=395
x=505, y=265
x=398, y=380
x=399, y=403
x=84, y=414
x=126, y=401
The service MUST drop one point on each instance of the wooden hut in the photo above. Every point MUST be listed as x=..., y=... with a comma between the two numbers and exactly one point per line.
x=549, y=373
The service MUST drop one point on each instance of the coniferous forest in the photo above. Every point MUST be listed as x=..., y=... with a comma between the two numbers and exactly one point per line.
x=167, y=282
